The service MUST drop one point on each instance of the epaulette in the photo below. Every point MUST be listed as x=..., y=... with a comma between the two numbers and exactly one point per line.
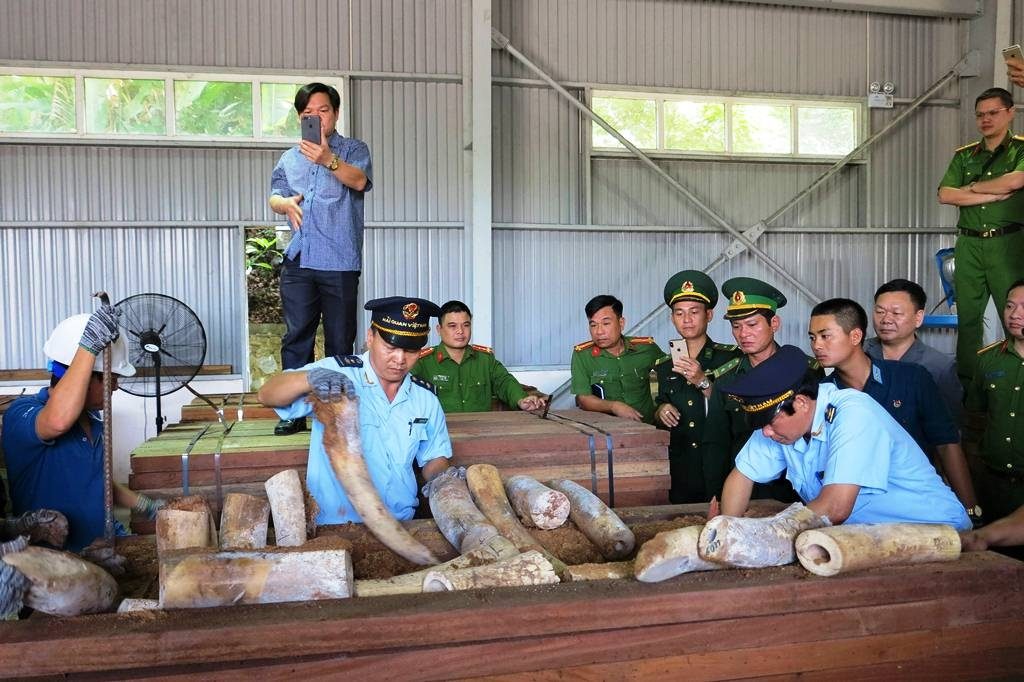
x=423, y=383
x=1019, y=138
x=642, y=339
x=989, y=347
x=724, y=346
x=662, y=359
x=830, y=413
x=349, y=360
x=724, y=369
x=813, y=363
x=426, y=351
x=482, y=349
x=968, y=146
x=582, y=346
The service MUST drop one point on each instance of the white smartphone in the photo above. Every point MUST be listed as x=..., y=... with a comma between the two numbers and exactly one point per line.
x=1013, y=51
x=677, y=347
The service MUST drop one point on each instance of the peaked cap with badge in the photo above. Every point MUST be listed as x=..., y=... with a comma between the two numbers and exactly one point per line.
x=402, y=321
x=763, y=390
x=747, y=296
x=691, y=285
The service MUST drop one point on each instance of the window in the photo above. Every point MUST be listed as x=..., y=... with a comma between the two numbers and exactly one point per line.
x=150, y=106
x=728, y=126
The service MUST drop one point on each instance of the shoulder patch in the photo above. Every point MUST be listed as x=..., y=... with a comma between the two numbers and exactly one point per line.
x=969, y=145
x=813, y=363
x=663, y=358
x=426, y=351
x=830, y=413
x=423, y=383
x=349, y=360
x=642, y=339
x=582, y=346
x=724, y=346
x=482, y=349
x=724, y=369
x=989, y=347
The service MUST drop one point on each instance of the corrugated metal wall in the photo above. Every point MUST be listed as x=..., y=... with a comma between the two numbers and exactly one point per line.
x=413, y=124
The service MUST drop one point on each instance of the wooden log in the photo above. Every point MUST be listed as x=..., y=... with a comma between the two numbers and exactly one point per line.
x=669, y=554
x=62, y=584
x=494, y=549
x=178, y=529
x=600, y=524
x=840, y=549
x=288, y=507
x=205, y=579
x=528, y=568
x=538, y=506
x=457, y=517
x=243, y=522
x=612, y=570
x=345, y=452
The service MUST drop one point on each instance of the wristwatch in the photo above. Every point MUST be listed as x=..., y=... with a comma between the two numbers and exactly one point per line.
x=333, y=165
x=974, y=512
x=704, y=385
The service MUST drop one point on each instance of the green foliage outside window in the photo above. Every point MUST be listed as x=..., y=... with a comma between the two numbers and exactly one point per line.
x=216, y=108
x=761, y=129
x=636, y=119
x=828, y=131
x=125, y=105
x=695, y=126
x=277, y=109
x=37, y=104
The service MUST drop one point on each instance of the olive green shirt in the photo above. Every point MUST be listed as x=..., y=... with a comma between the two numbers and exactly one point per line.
x=625, y=378
x=967, y=166
x=998, y=391
x=470, y=385
x=717, y=360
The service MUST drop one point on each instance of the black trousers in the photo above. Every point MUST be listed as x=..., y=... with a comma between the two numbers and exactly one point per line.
x=308, y=296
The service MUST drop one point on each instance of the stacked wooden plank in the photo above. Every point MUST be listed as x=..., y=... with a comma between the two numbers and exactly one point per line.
x=568, y=444
x=955, y=620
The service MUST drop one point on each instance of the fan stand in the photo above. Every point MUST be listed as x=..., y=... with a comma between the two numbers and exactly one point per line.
x=150, y=342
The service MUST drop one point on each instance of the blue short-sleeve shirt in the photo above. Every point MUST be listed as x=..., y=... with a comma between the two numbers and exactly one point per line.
x=394, y=434
x=854, y=441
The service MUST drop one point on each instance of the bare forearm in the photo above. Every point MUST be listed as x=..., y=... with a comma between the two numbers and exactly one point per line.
x=67, y=398
x=1004, y=184
x=961, y=197
x=736, y=494
x=954, y=464
x=351, y=176
x=592, y=403
x=434, y=467
x=1006, y=532
x=835, y=501
x=283, y=389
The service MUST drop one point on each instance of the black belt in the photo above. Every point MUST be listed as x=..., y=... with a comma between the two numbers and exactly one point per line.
x=994, y=232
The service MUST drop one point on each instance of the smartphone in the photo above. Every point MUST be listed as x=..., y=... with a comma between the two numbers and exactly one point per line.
x=677, y=347
x=597, y=390
x=311, y=129
x=1013, y=51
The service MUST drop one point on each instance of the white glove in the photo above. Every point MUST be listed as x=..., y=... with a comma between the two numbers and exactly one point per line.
x=757, y=543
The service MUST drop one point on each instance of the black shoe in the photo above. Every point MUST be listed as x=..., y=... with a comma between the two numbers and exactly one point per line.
x=287, y=427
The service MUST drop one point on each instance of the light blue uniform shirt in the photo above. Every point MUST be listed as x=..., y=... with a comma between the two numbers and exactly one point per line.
x=331, y=237
x=860, y=445
x=393, y=434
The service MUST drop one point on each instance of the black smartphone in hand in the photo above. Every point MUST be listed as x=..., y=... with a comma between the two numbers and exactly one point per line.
x=311, y=129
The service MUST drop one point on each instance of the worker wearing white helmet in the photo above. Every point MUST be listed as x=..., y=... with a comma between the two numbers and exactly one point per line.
x=53, y=441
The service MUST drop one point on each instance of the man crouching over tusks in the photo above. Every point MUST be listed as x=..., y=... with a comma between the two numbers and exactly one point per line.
x=372, y=420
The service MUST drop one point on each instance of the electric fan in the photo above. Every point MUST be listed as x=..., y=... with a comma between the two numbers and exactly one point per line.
x=166, y=344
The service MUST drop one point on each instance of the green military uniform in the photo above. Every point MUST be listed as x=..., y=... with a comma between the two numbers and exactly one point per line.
x=997, y=390
x=470, y=385
x=625, y=378
x=726, y=429
x=990, y=248
x=717, y=360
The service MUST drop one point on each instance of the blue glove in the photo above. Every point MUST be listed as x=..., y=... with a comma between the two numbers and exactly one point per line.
x=101, y=330
x=148, y=506
x=328, y=385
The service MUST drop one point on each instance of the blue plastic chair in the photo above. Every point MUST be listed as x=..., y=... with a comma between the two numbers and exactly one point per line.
x=946, y=265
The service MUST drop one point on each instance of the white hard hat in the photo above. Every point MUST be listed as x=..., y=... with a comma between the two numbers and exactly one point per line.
x=63, y=344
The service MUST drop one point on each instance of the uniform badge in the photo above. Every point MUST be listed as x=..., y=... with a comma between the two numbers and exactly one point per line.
x=897, y=404
x=830, y=413
x=738, y=298
x=411, y=311
x=687, y=287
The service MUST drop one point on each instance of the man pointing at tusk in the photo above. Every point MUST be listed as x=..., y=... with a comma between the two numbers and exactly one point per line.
x=400, y=418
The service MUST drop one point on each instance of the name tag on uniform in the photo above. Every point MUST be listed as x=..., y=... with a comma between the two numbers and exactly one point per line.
x=417, y=420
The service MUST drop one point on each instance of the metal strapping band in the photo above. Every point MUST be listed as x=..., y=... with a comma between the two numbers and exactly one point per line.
x=184, y=458
x=611, y=469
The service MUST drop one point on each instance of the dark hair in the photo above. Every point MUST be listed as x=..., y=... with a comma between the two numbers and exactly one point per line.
x=1004, y=96
x=454, y=307
x=1018, y=283
x=808, y=387
x=603, y=301
x=310, y=89
x=912, y=289
x=848, y=313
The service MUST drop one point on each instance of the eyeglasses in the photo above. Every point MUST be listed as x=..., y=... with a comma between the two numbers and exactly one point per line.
x=990, y=113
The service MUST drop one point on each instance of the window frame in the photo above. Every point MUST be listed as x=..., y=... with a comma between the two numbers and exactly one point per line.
x=169, y=77
x=794, y=102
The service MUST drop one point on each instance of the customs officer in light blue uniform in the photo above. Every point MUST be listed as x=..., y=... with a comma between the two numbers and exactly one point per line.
x=400, y=418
